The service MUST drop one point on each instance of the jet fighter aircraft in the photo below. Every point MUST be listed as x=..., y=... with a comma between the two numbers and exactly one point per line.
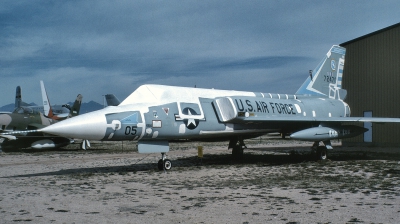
x=60, y=110
x=17, y=128
x=153, y=115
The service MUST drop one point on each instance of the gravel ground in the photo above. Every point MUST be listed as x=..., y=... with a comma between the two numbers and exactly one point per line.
x=277, y=182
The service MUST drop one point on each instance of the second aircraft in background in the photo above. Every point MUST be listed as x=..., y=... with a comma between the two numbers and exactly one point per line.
x=27, y=118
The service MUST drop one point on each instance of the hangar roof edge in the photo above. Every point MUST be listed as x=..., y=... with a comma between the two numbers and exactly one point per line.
x=370, y=34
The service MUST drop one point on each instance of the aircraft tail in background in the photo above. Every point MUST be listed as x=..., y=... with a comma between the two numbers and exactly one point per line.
x=112, y=100
x=48, y=111
x=326, y=79
x=18, y=97
x=46, y=103
x=74, y=110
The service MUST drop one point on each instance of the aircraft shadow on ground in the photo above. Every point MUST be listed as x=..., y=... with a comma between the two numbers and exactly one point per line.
x=212, y=160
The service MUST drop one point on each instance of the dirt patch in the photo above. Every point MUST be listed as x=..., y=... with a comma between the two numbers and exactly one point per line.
x=277, y=181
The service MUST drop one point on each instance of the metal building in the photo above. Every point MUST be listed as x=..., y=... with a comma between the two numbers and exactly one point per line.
x=372, y=79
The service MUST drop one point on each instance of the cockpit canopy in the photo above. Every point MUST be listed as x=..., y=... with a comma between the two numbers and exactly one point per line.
x=24, y=110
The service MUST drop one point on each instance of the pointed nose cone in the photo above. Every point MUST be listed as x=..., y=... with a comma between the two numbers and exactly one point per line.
x=90, y=126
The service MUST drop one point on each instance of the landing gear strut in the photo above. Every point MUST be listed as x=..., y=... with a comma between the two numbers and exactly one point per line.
x=164, y=163
x=321, y=151
x=237, y=145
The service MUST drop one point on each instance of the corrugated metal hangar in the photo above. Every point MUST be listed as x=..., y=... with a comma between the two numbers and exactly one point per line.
x=372, y=79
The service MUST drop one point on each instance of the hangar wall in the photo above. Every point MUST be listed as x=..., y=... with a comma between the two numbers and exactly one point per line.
x=371, y=77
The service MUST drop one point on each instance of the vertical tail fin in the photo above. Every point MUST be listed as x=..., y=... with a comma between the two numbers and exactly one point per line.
x=326, y=79
x=48, y=112
x=18, y=97
x=112, y=100
x=74, y=111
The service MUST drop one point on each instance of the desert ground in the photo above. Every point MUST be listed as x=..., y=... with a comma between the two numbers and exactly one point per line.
x=278, y=181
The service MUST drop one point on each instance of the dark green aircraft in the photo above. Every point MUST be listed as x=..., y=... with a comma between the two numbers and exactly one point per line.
x=24, y=119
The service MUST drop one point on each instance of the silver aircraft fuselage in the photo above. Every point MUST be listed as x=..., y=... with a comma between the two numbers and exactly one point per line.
x=155, y=112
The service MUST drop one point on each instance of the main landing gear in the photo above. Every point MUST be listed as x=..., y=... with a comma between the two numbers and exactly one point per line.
x=321, y=152
x=164, y=163
x=237, y=145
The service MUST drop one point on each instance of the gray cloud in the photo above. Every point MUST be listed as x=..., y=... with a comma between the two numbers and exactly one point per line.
x=99, y=47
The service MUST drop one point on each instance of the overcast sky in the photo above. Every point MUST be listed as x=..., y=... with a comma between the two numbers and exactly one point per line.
x=99, y=47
